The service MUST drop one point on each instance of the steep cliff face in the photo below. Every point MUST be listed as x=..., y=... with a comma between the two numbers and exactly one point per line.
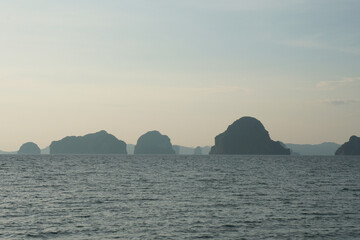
x=352, y=147
x=95, y=143
x=154, y=142
x=29, y=148
x=247, y=135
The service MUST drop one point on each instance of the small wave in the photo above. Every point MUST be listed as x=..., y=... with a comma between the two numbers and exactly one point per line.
x=350, y=189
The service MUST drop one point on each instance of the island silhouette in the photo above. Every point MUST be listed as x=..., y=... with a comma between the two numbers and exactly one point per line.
x=247, y=135
x=352, y=147
x=153, y=142
x=95, y=143
x=29, y=148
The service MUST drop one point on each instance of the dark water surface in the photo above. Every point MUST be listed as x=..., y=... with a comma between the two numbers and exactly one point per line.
x=179, y=197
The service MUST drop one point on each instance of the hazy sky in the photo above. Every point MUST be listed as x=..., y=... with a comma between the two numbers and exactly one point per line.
x=187, y=68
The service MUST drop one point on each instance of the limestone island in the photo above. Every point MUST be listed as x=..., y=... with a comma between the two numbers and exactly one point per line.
x=247, y=135
x=154, y=142
x=94, y=143
x=352, y=147
x=29, y=148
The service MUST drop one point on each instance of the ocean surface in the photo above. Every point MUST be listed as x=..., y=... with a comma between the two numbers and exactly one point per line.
x=179, y=197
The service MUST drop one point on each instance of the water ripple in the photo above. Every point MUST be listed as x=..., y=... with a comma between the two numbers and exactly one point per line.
x=179, y=197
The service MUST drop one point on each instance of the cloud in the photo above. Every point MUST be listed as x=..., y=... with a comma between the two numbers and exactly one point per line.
x=338, y=102
x=320, y=41
x=324, y=46
x=245, y=6
x=331, y=85
x=219, y=89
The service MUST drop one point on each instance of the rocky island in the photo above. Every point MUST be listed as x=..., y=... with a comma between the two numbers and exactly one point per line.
x=247, y=135
x=352, y=147
x=29, y=148
x=94, y=143
x=154, y=142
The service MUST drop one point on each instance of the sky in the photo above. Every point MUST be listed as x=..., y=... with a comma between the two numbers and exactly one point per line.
x=187, y=68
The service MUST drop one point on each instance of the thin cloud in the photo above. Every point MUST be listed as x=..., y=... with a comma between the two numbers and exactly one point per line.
x=319, y=42
x=339, y=102
x=331, y=85
x=219, y=89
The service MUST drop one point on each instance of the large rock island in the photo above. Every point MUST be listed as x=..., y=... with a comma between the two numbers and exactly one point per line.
x=29, y=148
x=352, y=147
x=154, y=142
x=247, y=135
x=95, y=143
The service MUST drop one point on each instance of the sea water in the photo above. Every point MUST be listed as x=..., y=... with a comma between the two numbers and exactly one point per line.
x=179, y=197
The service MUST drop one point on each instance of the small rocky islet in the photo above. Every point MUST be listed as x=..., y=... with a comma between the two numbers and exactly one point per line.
x=29, y=148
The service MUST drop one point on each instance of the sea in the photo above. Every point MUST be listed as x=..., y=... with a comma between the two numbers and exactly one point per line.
x=179, y=197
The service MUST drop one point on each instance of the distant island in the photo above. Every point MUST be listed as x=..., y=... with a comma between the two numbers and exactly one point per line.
x=182, y=150
x=323, y=149
x=352, y=147
x=247, y=135
x=154, y=142
x=5, y=153
x=45, y=150
x=198, y=151
x=179, y=150
x=95, y=143
x=29, y=148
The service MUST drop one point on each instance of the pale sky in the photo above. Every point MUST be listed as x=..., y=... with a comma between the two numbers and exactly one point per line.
x=187, y=68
